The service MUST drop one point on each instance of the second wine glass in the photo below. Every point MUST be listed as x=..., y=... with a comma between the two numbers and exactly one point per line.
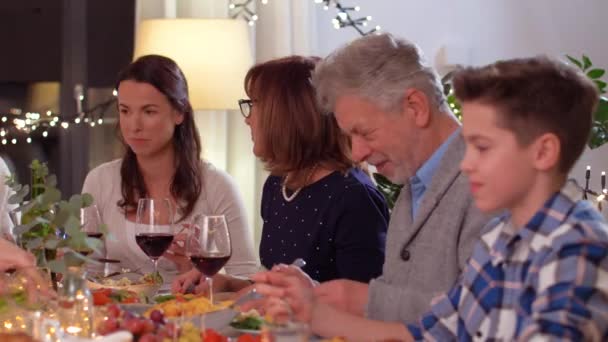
x=209, y=247
x=154, y=227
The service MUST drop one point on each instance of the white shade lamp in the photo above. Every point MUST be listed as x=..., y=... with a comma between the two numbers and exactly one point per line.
x=214, y=54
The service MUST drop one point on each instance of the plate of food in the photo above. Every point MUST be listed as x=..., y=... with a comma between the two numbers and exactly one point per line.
x=146, y=285
x=249, y=322
x=177, y=305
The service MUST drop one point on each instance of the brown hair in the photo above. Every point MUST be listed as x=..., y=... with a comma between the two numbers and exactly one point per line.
x=295, y=134
x=534, y=96
x=164, y=74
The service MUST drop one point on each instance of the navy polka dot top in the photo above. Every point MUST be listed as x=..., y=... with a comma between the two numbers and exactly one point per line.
x=337, y=224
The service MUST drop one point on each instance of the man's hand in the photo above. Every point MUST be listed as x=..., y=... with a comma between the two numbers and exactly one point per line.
x=11, y=256
x=288, y=294
x=346, y=295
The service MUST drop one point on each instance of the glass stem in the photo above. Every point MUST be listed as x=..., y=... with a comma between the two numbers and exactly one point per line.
x=155, y=261
x=210, y=283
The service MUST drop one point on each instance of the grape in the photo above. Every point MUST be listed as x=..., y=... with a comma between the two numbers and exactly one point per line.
x=113, y=311
x=148, y=338
x=109, y=326
x=148, y=326
x=157, y=316
x=134, y=325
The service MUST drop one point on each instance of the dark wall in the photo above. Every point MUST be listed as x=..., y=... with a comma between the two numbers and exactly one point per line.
x=110, y=39
x=31, y=48
x=30, y=37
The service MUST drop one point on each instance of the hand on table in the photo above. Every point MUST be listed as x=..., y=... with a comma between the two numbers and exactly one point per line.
x=343, y=294
x=287, y=291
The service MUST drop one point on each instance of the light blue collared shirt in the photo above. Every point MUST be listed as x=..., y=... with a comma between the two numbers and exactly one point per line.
x=422, y=179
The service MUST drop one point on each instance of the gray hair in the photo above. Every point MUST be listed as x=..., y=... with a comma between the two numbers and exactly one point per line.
x=379, y=68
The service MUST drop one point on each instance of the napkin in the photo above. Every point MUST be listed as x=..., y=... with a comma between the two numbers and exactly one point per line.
x=119, y=336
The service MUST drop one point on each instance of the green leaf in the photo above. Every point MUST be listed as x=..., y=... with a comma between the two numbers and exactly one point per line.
x=75, y=202
x=601, y=113
x=575, y=61
x=93, y=243
x=599, y=135
x=601, y=85
x=87, y=200
x=23, y=228
x=34, y=243
x=52, y=243
x=62, y=214
x=19, y=195
x=50, y=196
x=72, y=258
x=57, y=266
x=51, y=181
x=72, y=226
x=596, y=73
x=586, y=63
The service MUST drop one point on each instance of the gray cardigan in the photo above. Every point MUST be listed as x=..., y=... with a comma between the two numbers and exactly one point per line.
x=424, y=258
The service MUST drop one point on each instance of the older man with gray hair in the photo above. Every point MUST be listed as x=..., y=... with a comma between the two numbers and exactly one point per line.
x=391, y=103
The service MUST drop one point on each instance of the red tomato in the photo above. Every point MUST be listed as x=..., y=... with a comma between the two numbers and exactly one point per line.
x=101, y=298
x=129, y=300
x=248, y=338
x=211, y=335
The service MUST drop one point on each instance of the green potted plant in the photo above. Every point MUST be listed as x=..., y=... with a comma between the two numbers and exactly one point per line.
x=49, y=224
x=599, y=130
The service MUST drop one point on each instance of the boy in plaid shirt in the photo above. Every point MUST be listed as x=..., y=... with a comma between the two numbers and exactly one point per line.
x=540, y=271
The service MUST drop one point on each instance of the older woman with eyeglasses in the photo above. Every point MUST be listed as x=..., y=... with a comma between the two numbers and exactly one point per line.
x=316, y=204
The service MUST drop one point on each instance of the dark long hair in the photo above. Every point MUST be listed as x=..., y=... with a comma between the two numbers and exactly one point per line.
x=164, y=74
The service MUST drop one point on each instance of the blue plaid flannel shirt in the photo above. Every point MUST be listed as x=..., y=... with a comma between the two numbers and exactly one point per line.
x=547, y=281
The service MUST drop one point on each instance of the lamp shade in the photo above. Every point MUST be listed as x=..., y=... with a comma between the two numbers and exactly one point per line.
x=214, y=54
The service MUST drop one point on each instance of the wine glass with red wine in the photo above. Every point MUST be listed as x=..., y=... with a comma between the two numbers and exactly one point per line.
x=154, y=227
x=209, y=246
x=90, y=223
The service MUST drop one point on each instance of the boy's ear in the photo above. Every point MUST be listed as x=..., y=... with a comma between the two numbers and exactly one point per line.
x=547, y=151
x=416, y=104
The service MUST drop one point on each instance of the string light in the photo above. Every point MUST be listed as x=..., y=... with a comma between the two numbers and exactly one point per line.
x=242, y=9
x=16, y=123
x=237, y=9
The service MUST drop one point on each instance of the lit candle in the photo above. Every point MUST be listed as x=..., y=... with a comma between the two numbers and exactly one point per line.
x=587, y=176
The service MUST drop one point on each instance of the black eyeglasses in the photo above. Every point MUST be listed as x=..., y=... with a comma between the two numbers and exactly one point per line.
x=245, y=105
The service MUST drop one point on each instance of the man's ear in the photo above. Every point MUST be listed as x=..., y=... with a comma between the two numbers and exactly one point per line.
x=546, y=152
x=416, y=105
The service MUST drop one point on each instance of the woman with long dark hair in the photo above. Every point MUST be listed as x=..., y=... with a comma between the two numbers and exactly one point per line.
x=162, y=160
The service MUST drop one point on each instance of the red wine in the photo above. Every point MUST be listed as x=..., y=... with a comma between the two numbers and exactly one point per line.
x=95, y=235
x=154, y=244
x=209, y=264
